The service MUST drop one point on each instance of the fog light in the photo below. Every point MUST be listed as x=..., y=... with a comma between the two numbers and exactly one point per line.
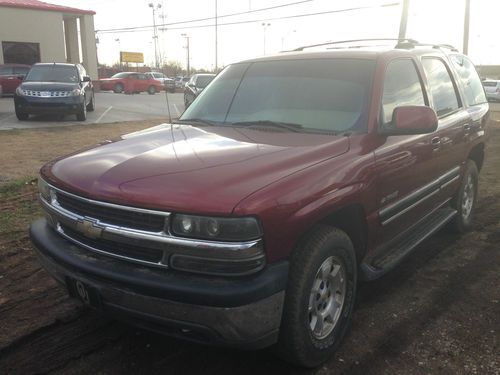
x=212, y=227
x=187, y=224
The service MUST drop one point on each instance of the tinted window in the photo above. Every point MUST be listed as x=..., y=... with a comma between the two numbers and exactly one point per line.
x=6, y=70
x=21, y=70
x=489, y=84
x=441, y=86
x=53, y=73
x=474, y=92
x=401, y=87
x=203, y=81
x=120, y=75
x=319, y=94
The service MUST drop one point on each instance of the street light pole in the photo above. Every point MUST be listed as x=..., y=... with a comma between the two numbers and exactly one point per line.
x=155, y=35
x=265, y=26
x=404, y=19
x=466, y=28
x=216, y=36
x=187, y=47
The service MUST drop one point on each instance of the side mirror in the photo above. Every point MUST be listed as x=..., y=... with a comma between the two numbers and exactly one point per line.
x=86, y=79
x=408, y=120
x=21, y=77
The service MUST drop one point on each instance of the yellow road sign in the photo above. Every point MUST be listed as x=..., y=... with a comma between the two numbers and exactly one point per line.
x=133, y=57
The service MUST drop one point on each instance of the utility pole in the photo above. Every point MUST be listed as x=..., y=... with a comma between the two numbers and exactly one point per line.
x=265, y=26
x=404, y=19
x=216, y=37
x=155, y=34
x=466, y=27
x=187, y=47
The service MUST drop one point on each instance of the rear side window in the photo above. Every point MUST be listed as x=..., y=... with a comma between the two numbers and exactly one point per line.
x=441, y=85
x=21, y=70
x=474, y=93
x=402, y=86
x=6, y=70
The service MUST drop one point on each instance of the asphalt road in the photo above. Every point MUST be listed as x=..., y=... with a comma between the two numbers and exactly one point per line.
x=110, y=107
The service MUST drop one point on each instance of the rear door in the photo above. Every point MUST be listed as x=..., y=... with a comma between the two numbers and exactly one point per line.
x=8, y=79
x=449, y=141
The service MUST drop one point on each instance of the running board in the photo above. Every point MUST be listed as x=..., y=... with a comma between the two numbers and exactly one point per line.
x=409, y=241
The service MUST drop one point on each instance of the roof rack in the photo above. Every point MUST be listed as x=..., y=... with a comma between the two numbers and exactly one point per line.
x=401, y=44
x=410, y=41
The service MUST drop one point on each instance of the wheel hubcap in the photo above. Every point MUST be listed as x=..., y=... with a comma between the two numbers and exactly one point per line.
x=468, y=197
x=327, y=297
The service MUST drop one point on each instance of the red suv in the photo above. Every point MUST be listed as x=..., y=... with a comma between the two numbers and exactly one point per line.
x=11, y=77
x=250, y=220
x=131, y=83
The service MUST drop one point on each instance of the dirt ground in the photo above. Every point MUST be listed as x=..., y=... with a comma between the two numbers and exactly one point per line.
x=439, y=312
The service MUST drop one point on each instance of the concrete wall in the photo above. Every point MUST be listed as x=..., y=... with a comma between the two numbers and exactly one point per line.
x=35, y=26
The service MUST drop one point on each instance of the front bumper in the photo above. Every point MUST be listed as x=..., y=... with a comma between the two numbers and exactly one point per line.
x=243, y=312
x=35, y=105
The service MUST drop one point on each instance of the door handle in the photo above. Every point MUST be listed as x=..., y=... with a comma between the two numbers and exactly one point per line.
x=467, y=128
x=435, y=142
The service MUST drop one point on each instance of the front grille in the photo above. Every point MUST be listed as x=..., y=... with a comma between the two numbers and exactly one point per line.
x=116, y=248
x=47, y=94
x=109, y=215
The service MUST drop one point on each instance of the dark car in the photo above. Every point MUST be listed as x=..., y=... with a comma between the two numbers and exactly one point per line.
x=250, y=221
x=195, y=86
x=131, y=83
x=55, y=88
x=11, y=76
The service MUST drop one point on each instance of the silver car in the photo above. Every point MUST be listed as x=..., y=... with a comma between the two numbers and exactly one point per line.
x=492, y=89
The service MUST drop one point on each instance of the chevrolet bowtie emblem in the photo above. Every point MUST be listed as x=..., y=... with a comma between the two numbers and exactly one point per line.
x=89, y=229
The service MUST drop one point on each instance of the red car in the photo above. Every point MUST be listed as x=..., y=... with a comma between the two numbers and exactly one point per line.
x=251, y=219
x=131, y=83
x=9, y=77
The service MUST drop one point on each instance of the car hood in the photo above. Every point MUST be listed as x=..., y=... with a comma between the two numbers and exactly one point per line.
x=206, y=170
x=49, y=86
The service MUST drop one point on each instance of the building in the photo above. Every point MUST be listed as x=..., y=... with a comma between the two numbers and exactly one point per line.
x=33, y=31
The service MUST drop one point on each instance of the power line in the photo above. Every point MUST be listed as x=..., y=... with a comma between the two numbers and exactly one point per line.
x=208, y=18
x=260, y=20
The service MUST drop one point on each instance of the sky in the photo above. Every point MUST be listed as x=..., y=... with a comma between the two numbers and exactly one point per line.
x=432, y=21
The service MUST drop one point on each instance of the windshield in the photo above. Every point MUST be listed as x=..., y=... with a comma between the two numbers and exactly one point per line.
x=203, y=81
x=120, y=75
x=53, y=73
x=326, y=95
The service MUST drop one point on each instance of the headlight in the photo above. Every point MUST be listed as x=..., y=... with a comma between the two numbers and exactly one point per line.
x=75, y=92
x=216, y=228
x=20, y=91
x=44, y=189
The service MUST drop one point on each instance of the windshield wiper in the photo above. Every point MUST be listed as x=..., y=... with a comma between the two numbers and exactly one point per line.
x=197, y=121
x=276, y=124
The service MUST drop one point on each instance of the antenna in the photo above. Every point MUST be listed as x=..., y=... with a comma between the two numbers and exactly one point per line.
x=168, y=104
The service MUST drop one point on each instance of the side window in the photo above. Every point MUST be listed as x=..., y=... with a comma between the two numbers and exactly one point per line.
x=441, y=86
x=21, y=70
x=474, y=92
x=142, y=77
x=402, y=86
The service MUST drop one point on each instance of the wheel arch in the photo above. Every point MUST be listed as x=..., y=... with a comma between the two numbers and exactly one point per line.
x=476, y=154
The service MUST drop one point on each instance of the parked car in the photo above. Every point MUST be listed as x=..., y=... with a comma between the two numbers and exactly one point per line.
x=11, y=76
x=195, y=86
x=249, y=221
x=167, y=83
x=492, y=88
x=131, y=83
x=180, y=82
x=55, y=88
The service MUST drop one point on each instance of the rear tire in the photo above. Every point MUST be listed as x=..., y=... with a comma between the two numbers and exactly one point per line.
x=465, y=199
x=151, y=90
x=319, y=298
x=118, y=89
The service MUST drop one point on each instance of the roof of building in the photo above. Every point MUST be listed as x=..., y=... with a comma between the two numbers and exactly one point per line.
x=40, y=5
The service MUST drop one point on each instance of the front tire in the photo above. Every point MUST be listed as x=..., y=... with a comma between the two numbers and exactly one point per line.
x=82, y=115
x=151, y=90
x=118, y=89
x=319, y=297
x=22, y=116
x=465, y=199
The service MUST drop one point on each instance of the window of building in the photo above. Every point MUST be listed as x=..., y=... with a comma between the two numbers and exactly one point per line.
x=21, y=53
x=441, y=86
x=402, y=87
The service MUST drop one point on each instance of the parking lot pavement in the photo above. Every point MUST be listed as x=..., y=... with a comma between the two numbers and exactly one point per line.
x=110, y=107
